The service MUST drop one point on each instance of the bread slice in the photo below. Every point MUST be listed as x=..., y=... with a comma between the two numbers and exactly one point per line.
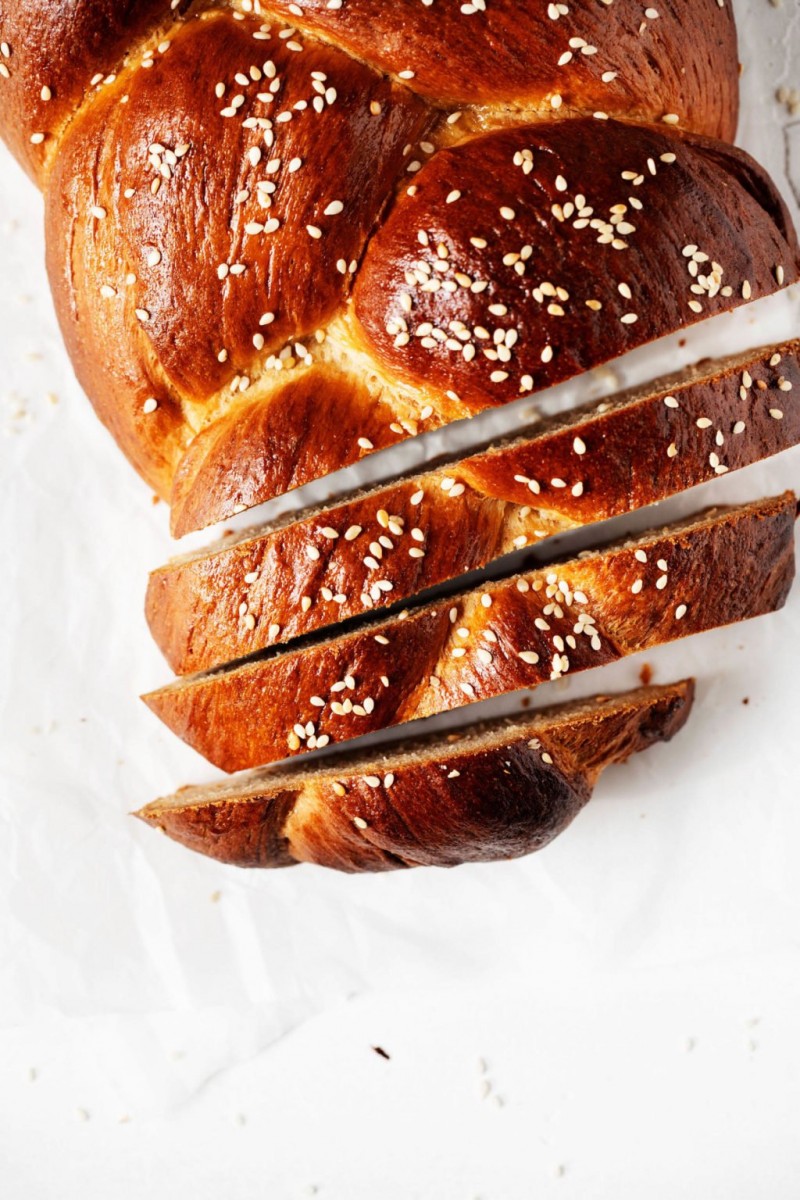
x=722, y=566
x=383, y=546
x=499, y=791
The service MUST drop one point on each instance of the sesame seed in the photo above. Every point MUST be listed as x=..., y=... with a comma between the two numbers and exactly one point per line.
x=150, y=405
x=680, y=612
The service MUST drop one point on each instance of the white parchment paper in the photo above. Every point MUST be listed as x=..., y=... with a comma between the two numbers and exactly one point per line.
x=635, y=984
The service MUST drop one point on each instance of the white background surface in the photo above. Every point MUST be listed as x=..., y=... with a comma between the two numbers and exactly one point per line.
x=170, y=1027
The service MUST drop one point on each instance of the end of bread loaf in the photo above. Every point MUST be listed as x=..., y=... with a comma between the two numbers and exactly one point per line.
x=234, y=191
x=499, y=791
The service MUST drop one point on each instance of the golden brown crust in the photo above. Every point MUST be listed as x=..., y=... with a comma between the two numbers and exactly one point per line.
x=529, y=255
x=232, y=600
x=724, y=566
x=712, y=234
x=189, y=286
x=54, y=53
x=497, y=793
x=178, y=305
x=268, y=445
x=592, y=56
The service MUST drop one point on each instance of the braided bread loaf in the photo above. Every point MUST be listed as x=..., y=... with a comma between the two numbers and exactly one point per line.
x=283, y=235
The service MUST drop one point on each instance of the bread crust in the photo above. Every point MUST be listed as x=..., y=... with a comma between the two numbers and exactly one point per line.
x=493, y=793
x=613, y=59
x=161, y=297
x=234, y=599
x=568, y=243
x=57, y=53
x=194, y=368
x=724, y=566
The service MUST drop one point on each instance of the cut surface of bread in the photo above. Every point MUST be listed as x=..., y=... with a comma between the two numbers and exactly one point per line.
x=381, y=547
x=499, y=791
x=722, y=566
